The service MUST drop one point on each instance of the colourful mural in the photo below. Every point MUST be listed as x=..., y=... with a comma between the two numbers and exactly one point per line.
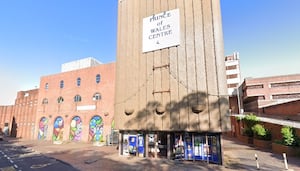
x=96, y=129
x=43, y=126
x=76, y=129
x=58, y=130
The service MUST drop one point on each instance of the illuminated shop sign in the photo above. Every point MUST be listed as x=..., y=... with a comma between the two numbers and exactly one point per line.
x=161, y=30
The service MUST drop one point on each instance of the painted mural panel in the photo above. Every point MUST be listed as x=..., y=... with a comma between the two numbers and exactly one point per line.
x=58, y=130
x=96, y=129
x=43, y=127
x=76, y=129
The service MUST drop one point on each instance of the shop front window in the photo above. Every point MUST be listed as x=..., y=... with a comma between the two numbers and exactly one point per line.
x=195, y=146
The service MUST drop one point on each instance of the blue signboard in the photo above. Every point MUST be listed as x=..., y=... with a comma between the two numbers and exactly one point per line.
x=132, y=144
x=188, y=146
x=141, y=144
x=213, y=141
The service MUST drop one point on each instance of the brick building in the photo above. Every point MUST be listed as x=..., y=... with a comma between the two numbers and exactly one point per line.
x=74, y=105
x=260, y=93
x=6, y=115
x=77, y=104
x=18, y=120
x=24, y=114
x=275, y=100
x=289, y=110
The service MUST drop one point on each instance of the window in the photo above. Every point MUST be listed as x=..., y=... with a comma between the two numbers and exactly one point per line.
x=78, y=81
x=255, y=86
x=60, y=99
x=97, y=96
x=45, y=101
x=232, y=76
x=77, y=98
x=46, y=86
x=286, y=84
x=98, y=78
x=261, y=97
x=61, y=85
x=286, y=96
x=231, y=67
x=232, y=85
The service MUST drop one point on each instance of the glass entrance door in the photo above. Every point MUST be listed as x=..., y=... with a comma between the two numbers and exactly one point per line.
x=162, y=145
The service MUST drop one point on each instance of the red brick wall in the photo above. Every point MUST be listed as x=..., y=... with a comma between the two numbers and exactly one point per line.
x=267, y=91
x=68, y=109
x=24, y=114
x=233, y=104
x=274, y=128
x=20, y=116
x=5, y=116
x=291, y=108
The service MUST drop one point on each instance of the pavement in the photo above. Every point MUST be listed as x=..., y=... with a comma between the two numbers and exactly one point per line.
x=85, y=156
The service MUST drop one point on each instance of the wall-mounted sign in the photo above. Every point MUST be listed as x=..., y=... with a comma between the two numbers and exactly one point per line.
x=87, y=107
x=161, y=30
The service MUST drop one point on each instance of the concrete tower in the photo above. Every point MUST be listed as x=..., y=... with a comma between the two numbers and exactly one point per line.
x=170, y=81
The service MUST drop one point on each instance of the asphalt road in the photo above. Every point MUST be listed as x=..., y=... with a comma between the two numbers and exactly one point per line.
x=20, y=158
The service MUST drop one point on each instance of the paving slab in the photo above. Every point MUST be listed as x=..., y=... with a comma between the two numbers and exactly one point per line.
x=85, y=156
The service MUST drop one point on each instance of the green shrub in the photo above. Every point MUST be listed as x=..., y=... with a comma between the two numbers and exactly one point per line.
x=289, y=137
x=260, y=132
x=239, y=118
x=249, y=120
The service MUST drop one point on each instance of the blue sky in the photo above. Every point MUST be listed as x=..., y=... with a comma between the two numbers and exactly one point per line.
x=266, y=33
x=36, y=37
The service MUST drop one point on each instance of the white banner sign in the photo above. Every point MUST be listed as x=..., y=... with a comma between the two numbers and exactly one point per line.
x=161, y=30
x=87, y=107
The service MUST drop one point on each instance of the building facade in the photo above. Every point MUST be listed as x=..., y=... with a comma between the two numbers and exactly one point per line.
x=18, y=120
x=24, y=114
x=77, y=104
x=171, y=96
x=74, y=105
x=233, y=76
x=288, y=110
x=6, y=116
x=262, y=92
x=233, y=72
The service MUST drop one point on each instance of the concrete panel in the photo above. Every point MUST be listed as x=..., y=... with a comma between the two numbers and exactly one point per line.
x=172, y=106
x=175, y=78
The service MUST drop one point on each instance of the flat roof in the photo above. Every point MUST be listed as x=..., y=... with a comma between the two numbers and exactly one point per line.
x=79, y=64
